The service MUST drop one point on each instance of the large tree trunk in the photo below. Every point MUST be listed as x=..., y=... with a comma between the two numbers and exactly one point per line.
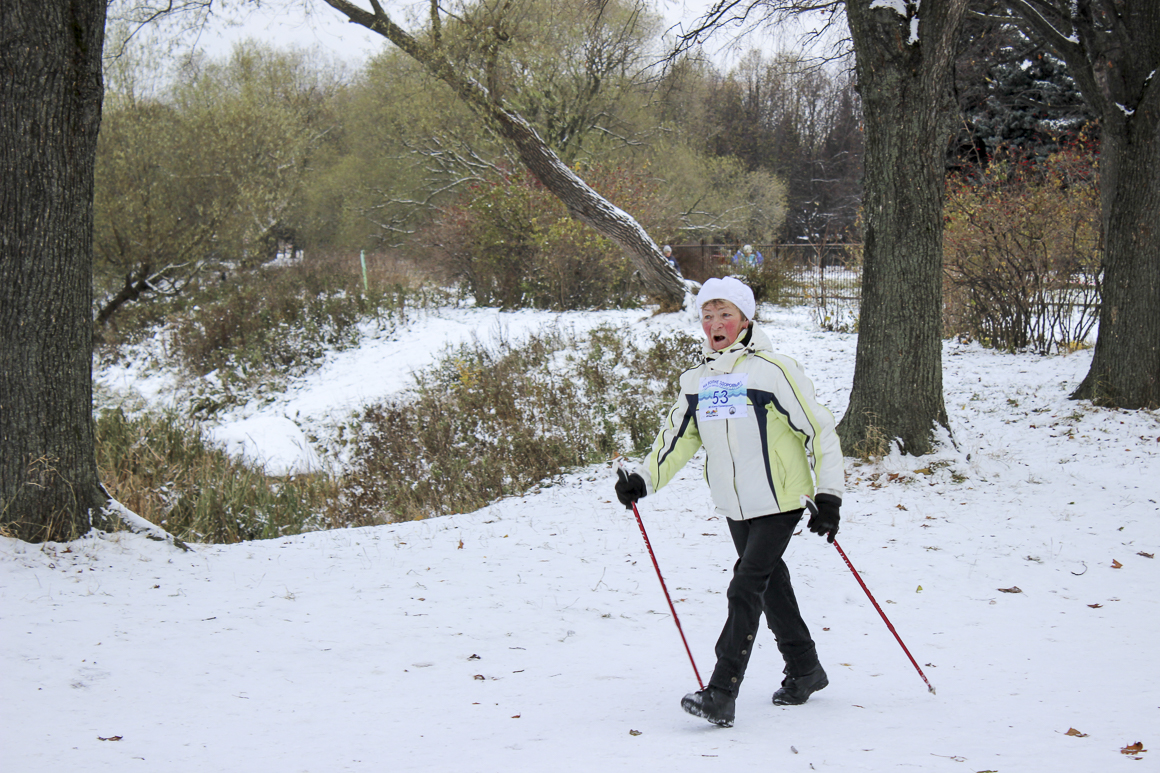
x=659, y=277
x=50, y=110
x=1113, y=52
x=904, y=84
x=1125, y=369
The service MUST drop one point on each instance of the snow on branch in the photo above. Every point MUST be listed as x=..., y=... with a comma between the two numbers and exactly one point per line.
x=139, y=525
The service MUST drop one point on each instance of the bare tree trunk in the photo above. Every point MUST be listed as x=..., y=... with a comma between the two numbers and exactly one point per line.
x=659, y=278
x=50, y=97
x=904, y=83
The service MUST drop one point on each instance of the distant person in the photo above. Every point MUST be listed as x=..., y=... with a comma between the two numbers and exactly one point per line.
x=747, y=256
x=768, y=444
x=668, y=253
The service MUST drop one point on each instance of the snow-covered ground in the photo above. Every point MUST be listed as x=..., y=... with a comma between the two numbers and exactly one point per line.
x=533, y=635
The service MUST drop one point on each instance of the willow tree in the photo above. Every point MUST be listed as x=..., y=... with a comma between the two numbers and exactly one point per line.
x=474, y=79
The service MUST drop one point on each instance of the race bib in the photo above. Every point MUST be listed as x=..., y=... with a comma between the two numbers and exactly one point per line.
x=723, y=397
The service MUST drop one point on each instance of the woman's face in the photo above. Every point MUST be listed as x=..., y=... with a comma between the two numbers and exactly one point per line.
x=722, y=322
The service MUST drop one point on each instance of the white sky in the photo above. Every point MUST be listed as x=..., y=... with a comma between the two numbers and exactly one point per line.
x=312, y=23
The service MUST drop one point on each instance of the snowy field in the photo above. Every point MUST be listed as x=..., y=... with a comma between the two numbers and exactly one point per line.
x=533, y=635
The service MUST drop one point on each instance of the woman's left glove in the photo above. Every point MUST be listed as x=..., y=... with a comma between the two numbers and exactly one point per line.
x=629, y=487
x=824, y=521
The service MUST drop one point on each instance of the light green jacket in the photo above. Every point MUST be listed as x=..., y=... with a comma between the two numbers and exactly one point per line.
x=760, y=463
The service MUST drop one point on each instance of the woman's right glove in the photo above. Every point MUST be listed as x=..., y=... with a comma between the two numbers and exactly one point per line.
x=629, y=487
x=824, y=519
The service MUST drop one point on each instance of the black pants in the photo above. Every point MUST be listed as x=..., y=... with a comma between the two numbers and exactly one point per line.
x=761, y=583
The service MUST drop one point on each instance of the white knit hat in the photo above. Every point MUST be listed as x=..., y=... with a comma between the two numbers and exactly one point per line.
x=728, y=289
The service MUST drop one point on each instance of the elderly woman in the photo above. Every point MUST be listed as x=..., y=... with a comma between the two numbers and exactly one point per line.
x=768, y=443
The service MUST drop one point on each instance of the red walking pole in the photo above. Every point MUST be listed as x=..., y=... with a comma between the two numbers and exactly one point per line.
x=858, y=577
x=814, y=510
x=673, y=609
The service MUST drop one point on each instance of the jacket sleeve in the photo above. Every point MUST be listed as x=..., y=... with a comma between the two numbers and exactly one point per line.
x=675, y=444
x=814, y=421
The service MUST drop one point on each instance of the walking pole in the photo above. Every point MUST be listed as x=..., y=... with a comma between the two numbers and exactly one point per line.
x=813, y=511
x=673, y=609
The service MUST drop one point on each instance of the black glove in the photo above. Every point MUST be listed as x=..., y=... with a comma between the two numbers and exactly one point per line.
x=629, y=487
x=824, y=516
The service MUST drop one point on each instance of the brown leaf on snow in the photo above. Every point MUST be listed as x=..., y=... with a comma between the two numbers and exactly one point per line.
x=1145, y=555
x=901, y=507
x=1076, y=733
x=1116, y=564
x=1012, y=589
x=1096, y=606
x=1136, y=748
x=118, y=738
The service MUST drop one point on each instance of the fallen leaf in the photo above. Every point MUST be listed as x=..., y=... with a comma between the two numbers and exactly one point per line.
x=1136, y=748
x=118, y=738
x=1012, y=589
x=515, y=716
x=1076, y=733
x=900, y=507
x=634, y=732
x=1145, y=555
x=461, y=544
x=919, y=589
x=1116, y=564
x=480, y=677
x=1096, y=606
x=474, y=657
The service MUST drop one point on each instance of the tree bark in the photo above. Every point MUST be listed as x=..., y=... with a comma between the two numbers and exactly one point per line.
x=1125, y=369
x=50, y=96
x=1113, y=52
x=905, y=88
x=658, y=276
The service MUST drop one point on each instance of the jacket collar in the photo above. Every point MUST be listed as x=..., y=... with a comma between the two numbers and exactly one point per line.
x=751, y=341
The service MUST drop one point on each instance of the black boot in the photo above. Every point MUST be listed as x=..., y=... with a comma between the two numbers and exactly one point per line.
x=714, y=704
x=796, y=690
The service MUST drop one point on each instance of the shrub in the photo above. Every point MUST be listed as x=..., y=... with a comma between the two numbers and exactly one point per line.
x=1022, y=248
x=772, y=281
x=164, y=469
x=493, y=422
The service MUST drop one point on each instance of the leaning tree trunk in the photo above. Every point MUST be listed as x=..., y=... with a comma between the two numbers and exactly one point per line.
x=50, y=110
x=658, y=276
x=904, y=84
